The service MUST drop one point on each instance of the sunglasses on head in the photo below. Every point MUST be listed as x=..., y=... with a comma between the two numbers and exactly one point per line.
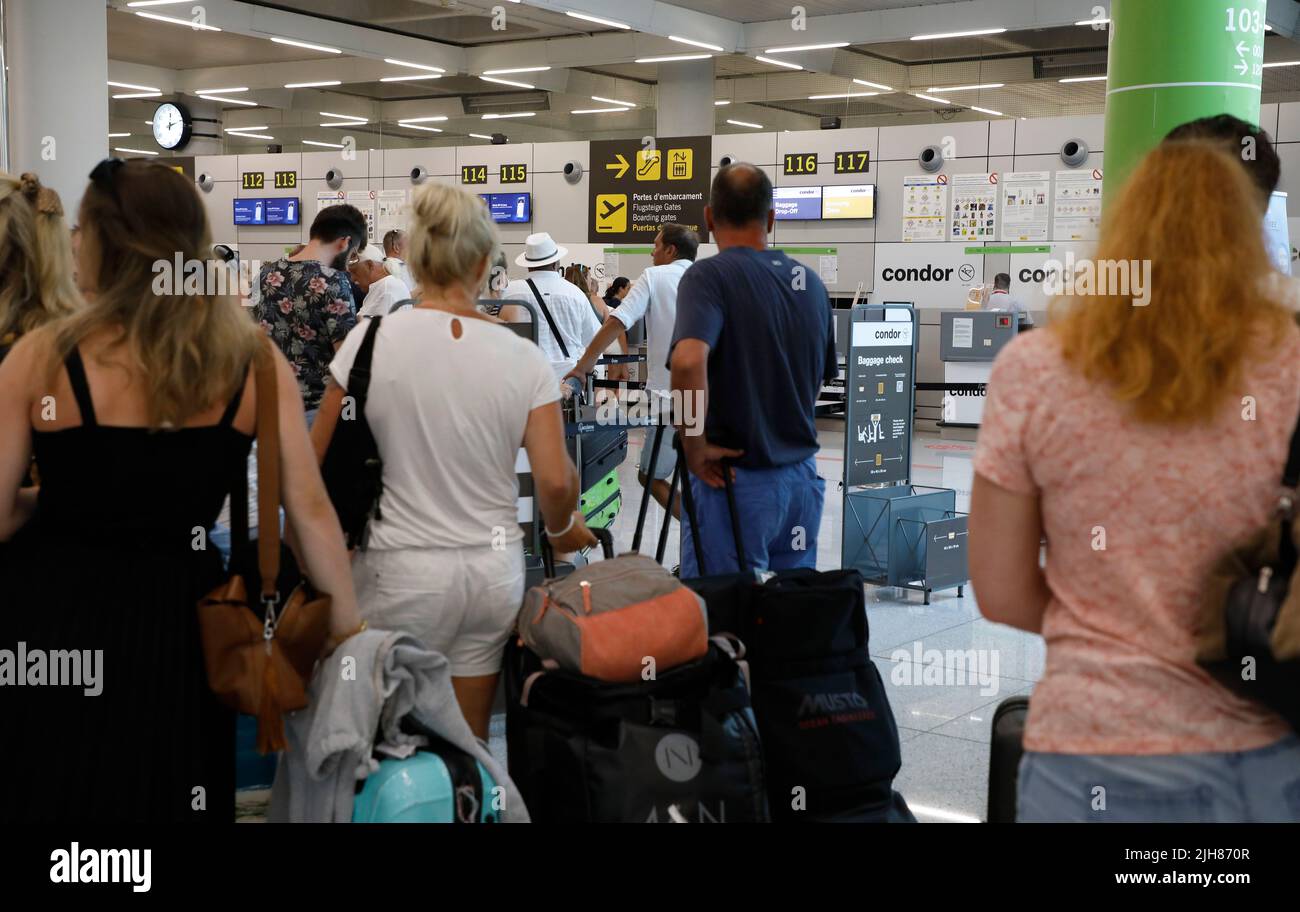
x=104, y=176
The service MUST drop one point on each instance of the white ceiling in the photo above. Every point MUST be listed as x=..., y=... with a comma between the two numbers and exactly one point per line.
x=1040, y=47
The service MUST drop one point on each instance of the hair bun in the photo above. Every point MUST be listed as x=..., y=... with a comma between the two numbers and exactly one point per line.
x=43, y=199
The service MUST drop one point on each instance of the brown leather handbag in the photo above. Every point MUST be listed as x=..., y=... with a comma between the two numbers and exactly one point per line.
x=259, y=662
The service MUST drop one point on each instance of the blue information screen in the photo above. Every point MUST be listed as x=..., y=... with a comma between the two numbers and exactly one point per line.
x=250, y=212
x=509, y=207
x=283, y=211
x=797, y=202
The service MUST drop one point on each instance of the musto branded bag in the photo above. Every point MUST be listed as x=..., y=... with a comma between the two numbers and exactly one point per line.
x=830, y=743
x=1248, y=635
x=614, y=619
x=682, y=747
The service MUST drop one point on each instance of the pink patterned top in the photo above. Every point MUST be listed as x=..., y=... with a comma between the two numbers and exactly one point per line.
x=1121, y=675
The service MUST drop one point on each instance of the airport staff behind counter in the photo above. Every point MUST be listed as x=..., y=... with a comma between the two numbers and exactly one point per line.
x=1001, y=299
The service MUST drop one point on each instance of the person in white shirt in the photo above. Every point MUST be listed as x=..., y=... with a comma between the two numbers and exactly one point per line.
x=654, y=297
x=382, y=290
x=1000, y=299
x=572, y=312
x=454, y=395
x=395, y=257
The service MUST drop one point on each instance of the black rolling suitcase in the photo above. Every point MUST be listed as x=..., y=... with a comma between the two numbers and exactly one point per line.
x=830, y=742
x=683, y=747
x=1005, y=751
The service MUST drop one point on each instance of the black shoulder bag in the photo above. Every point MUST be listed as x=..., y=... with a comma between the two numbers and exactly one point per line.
x=1249, y=635
x=550, y=321
x=352, y=468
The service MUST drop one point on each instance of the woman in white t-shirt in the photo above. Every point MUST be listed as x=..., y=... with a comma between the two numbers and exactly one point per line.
x=453, y=396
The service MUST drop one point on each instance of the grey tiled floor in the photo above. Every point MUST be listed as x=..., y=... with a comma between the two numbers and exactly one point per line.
x=944, y=719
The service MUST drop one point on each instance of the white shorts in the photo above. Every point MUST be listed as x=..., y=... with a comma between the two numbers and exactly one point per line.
x=461, y=602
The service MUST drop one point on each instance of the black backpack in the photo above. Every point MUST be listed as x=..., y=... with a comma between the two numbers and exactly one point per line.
x=352, y=469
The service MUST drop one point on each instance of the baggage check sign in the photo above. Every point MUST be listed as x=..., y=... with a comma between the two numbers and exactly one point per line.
x=638, y=186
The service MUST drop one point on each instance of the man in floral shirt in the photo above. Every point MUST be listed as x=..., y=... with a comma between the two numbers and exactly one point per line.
x=306, y=301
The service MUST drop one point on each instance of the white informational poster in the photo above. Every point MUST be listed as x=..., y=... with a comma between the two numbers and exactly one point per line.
x=925, y=207
x=327, y=198
x=1077, y=211
x=365, y=201
x=963, y=332
x=1026, y=205
x=829, y=269
x=1277, y=233
x=974, y=207
x=392, y=206
x=611, y=263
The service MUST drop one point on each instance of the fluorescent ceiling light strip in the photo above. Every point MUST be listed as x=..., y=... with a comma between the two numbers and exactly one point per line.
x=509, y=82
x=743, y=123
x=342, y=116
x=480, y=136
x=411, y=126
x=346, y=123
x=254, y=135
x=941, y=814
x=220, y=91
x=242, y=129
x=414, y=66
x=436, y=117
x=135, y=151
x=508, y=70
x=614, y=101
x=140, y=95
x=503, y=116
x=842, y=95
x=775, y=62
x=987, y=111
x=694, y=43
x=966, y=88
x=874, y=85
x=411, y=78
x=932, y=98
x=118, y=135
x=313, y=85
x=1093, y=22
x=1089, y=78
x=587, y=17
x=971, y=34
x=601, y=111
x=174, y=21
x=1282, y=63
x=795, y=48
x=233, y=101
x=312, y=142
x=305, y=44
x=135, y=3
x=672, y=58
x=139, y=88
x=721, y=101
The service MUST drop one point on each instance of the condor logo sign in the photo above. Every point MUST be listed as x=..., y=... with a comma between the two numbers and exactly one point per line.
x=927, y=273
x=825, y=709
x=872, y=335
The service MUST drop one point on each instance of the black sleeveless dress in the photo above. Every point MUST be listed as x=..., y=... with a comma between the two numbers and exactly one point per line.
x=115, y=560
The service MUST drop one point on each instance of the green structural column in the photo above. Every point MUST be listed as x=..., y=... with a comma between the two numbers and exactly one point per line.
x=1172, y=61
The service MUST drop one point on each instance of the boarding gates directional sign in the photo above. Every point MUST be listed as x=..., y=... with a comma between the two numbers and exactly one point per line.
x=880, y=395
x=639, y=184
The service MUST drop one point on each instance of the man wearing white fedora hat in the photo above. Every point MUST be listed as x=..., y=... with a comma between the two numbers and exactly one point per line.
x=566, y=321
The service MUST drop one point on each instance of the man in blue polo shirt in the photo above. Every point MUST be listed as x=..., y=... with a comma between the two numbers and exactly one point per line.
x=752, y=346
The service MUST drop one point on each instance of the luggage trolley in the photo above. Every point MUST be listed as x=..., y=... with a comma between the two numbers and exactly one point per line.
x=895, y=533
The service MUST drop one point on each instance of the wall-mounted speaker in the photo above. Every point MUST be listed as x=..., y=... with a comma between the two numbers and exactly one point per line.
x=1074, y=152
x=573, y=171
x=334, y=178
x=930, y=159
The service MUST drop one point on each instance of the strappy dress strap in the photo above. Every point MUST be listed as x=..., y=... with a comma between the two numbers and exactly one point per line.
x=80, y=388
x=232, y=409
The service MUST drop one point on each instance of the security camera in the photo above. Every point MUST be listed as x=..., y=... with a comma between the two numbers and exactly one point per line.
x=206, y=183
x=573, y=171
x=334, y=178
x=930, y=159
x=418, y=174
x=726, y=160
x=1074, y=152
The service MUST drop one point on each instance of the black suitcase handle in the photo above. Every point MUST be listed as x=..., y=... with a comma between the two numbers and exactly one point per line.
x=548, y=556
x=688, y=503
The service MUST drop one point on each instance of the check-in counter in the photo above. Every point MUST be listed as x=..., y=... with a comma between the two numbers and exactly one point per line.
x=969, y=340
